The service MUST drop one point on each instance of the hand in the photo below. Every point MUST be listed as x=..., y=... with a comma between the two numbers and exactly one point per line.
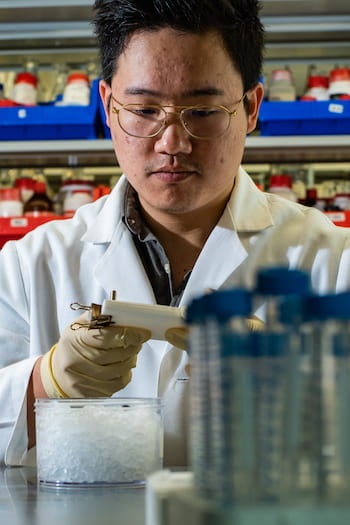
x=178, y=336
x=91, y=362
x=255, y=324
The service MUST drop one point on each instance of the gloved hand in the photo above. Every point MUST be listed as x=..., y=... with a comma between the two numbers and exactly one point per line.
x=178, y=336
x=91, y=362
x=254, y=323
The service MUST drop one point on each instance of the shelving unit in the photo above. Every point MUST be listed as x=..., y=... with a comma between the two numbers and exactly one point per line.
x=41, y=153
x=297, y=32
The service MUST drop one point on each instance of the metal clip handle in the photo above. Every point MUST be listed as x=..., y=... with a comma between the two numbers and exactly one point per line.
x=97, y=320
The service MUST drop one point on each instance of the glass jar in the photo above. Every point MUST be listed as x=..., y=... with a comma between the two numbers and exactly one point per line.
x=98, y=441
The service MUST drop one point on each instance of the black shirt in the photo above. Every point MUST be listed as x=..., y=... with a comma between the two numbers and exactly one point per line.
x=151, y=252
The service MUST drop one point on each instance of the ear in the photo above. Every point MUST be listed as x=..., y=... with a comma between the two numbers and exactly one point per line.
x=255, y=97
x=105, y=94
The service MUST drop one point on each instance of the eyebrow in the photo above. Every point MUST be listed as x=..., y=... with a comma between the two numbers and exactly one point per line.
x=200, y=92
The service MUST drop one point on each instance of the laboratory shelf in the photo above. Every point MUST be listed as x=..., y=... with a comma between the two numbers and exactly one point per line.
x=95, y=152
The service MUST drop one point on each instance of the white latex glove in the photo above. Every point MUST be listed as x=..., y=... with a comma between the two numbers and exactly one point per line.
x=178, y=336
x=91, y=362
x=255, y=324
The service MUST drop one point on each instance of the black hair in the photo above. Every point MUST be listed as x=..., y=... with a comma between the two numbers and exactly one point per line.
x=236, y=21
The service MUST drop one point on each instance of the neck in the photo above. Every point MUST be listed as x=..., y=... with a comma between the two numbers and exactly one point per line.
x=183, y=237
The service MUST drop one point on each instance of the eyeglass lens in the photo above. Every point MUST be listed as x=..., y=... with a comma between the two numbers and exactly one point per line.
x=143, y=121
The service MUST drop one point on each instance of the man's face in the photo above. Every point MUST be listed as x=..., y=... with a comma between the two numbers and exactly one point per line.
x=174, y=173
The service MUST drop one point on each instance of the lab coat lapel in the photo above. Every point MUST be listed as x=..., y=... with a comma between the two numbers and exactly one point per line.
x=247, y=212
x=120, y=269
x=221, y=255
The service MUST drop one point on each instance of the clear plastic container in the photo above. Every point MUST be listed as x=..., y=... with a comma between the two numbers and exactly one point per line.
x=339, y=82
x=324, y=460
x=75, y=193
x=77, y=90
x=222, y=457
x=25, y=89
x=281, y=86
x=104, y=441
x=11, y=204
x=317, y=88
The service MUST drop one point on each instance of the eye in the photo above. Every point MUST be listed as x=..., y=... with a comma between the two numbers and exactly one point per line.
x=204, y=112
x=144, y=111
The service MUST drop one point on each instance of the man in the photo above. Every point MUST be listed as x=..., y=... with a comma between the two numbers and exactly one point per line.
x=181, y=91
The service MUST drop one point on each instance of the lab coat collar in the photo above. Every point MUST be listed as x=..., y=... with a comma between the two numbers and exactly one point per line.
x=247, y=211
x=248, y=208
x=248, y=205
x=109, y=217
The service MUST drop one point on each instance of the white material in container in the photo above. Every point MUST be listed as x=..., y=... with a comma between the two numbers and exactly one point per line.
x=98, y=441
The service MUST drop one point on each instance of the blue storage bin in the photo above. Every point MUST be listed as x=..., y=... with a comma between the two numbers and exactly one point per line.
x=330, y=117
x=50, y=122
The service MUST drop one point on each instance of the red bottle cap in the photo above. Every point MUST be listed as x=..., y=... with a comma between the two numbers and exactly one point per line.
x=27, y=78
x=73, y=77
x=281, y=181
x=26, y=183
x=10, y=194
x=311, y=193
x=318, y=81
x=39, y=187
x=340, y=73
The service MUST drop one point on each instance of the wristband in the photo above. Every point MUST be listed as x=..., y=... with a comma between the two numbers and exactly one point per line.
x=47, y=370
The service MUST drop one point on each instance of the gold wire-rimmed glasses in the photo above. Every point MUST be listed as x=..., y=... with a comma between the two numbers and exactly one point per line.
x=205, y=122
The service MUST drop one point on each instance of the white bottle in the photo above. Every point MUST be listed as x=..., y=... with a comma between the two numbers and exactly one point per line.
x=281, y=87
x=77, y=90
x=10, y=202
x=25, y=89
x=282, y=185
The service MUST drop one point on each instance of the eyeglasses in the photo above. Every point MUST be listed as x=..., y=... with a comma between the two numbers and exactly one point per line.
x=200, y=122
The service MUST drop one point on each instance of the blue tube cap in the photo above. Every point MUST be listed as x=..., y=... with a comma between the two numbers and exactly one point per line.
x=221, y=304
x=282, y=281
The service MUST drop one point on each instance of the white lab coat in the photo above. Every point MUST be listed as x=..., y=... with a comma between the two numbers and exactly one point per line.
x=84, y=258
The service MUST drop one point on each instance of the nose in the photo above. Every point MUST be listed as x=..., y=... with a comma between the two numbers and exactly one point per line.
x=173, y=139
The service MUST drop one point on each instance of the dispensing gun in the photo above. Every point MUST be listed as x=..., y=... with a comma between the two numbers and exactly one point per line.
x=156, y=318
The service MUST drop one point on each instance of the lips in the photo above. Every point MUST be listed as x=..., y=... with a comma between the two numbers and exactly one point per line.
x=171, y=175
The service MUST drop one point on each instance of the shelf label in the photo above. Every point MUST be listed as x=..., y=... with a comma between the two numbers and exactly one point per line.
x=336, y=108
x=19, y=222
x=22, y=113
x=336, y=216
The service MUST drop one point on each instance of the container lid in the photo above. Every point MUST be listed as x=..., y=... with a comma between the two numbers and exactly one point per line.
x=328, y=306
x=340, y=73
x=221, y=304
x=281, y=181
x=10, y=194
x=40, y=186
x=311, y=193
x=77, y=183
x=282, y=281
x=318, y=81
x=25, y=182
x=73, y=77
x=278, y=75
x=28, y=78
